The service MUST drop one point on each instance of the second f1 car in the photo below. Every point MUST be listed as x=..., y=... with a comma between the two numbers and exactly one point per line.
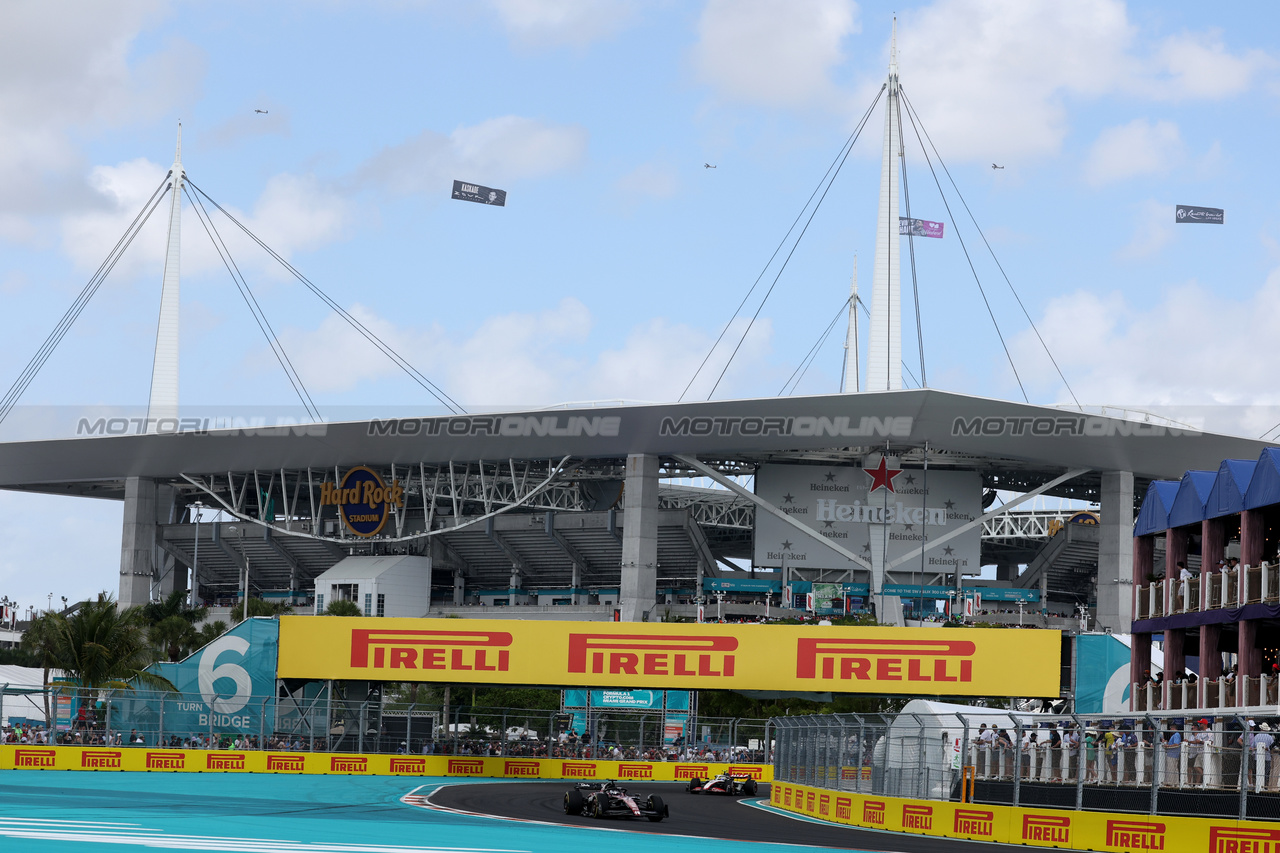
x=725, y=783
x=606, y=799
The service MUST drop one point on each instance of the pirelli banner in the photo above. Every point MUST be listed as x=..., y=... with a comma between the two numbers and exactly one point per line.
x=1033, y=827
x=139, y=758
x=929, y=661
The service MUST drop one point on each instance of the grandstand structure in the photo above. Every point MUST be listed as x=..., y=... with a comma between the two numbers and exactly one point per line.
x=590, y=506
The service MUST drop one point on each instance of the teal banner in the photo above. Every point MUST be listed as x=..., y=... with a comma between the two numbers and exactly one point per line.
x=226, y=687
x=1102, y=674
x=676, y=700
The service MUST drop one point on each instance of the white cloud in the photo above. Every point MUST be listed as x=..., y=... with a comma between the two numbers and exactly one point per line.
x=1137, y=148
x=1153, y=231
x=1198, y=65
x=498, y=150
x=555, y=22
x=773, y=52
x=1176, y=352
x=73, y=68
x=294, y=213
x=992, y=78
x=650, y=180
x=522, y=359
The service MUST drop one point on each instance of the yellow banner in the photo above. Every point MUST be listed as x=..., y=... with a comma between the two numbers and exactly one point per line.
x=927, y=661
x=1035, y=827
x=136, y=758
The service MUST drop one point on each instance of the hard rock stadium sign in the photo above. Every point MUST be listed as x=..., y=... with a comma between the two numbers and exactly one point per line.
x=974, y=662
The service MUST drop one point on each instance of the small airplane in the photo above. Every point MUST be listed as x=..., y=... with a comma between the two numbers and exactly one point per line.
x=707, y=166
x=994, y=166
x=264, y=112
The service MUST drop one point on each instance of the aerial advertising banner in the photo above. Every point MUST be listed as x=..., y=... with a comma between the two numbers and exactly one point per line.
x=1207, y=215
x=970, y=662
x=482, y=195
x=919, y=228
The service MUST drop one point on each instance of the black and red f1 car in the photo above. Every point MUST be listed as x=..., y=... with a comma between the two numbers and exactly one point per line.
x=607, y=799
x=730, y=785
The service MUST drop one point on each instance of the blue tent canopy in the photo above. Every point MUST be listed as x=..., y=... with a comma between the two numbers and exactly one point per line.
x=1154, y=515
x=1264, y=487
x=1193, y=491
x=1227, y=495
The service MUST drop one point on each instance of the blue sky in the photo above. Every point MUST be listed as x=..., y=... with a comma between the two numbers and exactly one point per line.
x=619, y=257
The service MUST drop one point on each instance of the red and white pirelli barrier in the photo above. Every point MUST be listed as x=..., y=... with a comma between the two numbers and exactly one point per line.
x=142, y=759
x=1034, y=827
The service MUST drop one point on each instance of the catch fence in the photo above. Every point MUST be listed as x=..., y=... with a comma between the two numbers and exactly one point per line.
x=330, y=717
x=1144, y=764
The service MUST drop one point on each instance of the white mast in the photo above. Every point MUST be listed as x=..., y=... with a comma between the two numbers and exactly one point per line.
x=851, y=336
x=164, y=369
x=884, y=352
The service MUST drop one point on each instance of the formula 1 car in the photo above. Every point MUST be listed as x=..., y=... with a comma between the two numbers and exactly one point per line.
x=733, y=786
x=606, y=799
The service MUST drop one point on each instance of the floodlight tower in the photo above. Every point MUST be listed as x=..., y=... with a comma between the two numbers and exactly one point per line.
x=164, y=369
x=884, y=349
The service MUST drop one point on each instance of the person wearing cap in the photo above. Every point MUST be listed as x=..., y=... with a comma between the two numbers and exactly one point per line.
x=1260, y=745
x=1172, y=755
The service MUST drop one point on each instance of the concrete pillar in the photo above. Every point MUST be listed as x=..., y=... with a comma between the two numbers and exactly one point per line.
x=639, y=590
x=173, y=575
x=1006, y=571
x=1115, y=552
x=1144, y=554
x=1251, y=537
x=1139, y=664
x=576, y=584
x=1210, y=658
x=137, y=542
x=515, y=589
x=459, y=588
x=1176, y=541
x=1248, y=655
x=1213, y=543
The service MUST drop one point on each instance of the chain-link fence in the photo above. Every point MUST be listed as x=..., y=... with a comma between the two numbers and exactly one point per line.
x=1149, y=764
x=341, y=717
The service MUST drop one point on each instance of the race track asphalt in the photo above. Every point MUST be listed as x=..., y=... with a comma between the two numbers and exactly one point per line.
x=728, y=818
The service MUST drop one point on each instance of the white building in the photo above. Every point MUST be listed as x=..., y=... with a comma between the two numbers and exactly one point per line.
x=394, y=585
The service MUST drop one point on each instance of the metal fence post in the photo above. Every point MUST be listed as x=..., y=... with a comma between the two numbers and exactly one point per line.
x=964, y=751
x=862, y=746
x=840, y=744
x=1157, y=753
x=1244, y=767
x=1017, y=761
x=1080, y=764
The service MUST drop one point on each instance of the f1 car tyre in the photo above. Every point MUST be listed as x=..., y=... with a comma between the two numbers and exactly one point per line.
x=750, y=787
x=597, y=810
x=659, y=808
x=694, y=784
x=573, y=802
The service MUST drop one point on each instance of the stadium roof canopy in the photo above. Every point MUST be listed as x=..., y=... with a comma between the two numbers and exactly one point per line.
x=1012, y=444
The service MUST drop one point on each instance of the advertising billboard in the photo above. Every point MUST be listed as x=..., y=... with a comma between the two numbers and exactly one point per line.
x=972, y=662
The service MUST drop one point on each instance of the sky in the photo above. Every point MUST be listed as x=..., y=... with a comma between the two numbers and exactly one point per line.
x=620, y=257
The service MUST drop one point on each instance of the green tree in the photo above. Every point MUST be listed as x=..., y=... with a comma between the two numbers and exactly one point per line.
x=342, y=607
x=260, y=607
x=209, y=632
x=102, y=646
x=40, y=640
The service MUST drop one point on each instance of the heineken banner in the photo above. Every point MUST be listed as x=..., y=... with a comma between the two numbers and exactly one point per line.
x=1208, y=215
x=848, y=505
x=226, y=687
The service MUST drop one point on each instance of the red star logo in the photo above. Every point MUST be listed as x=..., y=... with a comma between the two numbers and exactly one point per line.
x=881, y=476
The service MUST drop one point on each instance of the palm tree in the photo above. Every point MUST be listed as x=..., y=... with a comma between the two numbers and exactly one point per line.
x=209, y=632
x=41, y=638
x=173, y=637
x=342, y=607
x=101, y=646
x=260, y=607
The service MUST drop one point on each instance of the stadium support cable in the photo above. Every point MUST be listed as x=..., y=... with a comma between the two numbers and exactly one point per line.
x=827, y=179
x=911, y=243
x=59, y=332
x=981, y=290
x=796, y=375
x=383, y=347
x=259, y=316
x=911, y=112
